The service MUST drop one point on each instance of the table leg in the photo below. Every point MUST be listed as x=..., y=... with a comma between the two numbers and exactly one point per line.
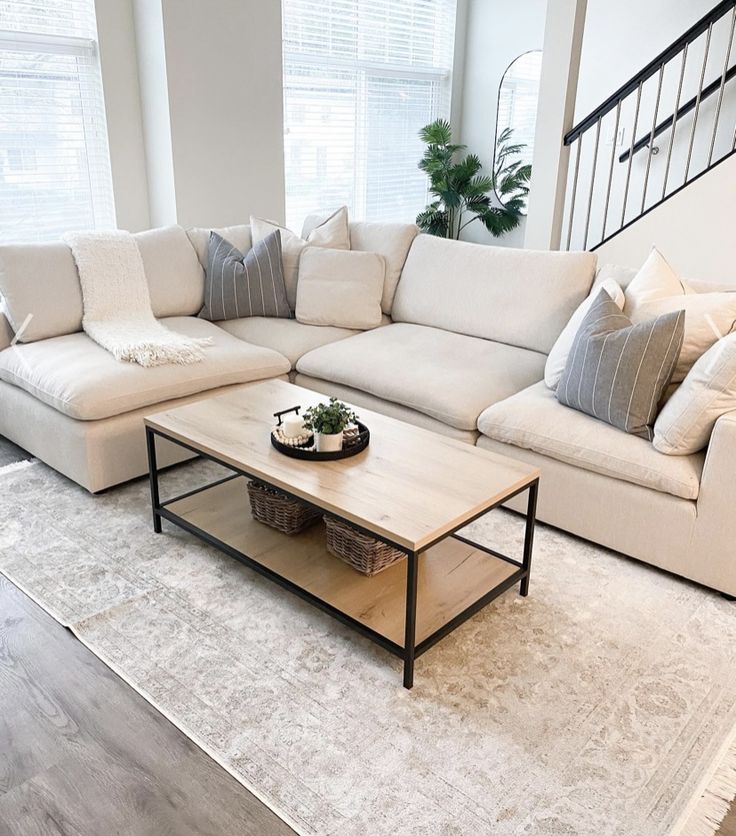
x=411, y=619
x=153, y=477
x=531, y=515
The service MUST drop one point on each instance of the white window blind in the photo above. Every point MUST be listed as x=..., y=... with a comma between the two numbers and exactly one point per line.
x=361, y=77
x=54, y=158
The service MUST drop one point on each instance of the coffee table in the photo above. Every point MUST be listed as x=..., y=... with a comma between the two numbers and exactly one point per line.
x=411, y=488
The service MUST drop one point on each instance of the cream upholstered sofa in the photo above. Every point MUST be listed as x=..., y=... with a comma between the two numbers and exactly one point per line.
x=462, y=351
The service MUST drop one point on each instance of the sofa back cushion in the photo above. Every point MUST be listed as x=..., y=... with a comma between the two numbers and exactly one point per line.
x=519, y=297
x=41, y=281
x=40, y=286
x=392, y=241
x=175, y=276
x=239, y=236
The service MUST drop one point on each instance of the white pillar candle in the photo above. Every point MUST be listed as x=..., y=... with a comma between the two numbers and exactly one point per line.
x=293, y=426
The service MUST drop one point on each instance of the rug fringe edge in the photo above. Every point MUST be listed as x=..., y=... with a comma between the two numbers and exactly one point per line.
x=709, y=806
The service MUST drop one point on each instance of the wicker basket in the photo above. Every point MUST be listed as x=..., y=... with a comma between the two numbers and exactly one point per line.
x=274, y=508
x=362, y=552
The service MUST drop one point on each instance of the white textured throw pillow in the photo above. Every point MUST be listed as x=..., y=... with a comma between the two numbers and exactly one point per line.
x=340, y=288
x=333, y=232
x=328, y=229
x=557, y=359
x=685, y=424
x=657, y=290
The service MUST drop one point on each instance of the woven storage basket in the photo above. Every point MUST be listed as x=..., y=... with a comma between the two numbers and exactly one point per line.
x=274, y=508
x=362, y=552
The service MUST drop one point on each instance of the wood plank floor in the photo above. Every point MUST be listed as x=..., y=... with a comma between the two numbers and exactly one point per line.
x=728, y=828
x=81, y=753
x=10, y=453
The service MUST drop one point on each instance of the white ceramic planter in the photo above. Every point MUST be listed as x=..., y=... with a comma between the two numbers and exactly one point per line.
x=328, y=442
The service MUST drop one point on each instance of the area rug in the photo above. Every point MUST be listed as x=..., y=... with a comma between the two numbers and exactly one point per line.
x=594, y=706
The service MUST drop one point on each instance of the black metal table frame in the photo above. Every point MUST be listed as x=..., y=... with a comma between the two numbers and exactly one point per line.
x=410, y=650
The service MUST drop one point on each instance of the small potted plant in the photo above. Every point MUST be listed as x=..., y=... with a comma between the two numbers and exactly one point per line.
x=327, y=421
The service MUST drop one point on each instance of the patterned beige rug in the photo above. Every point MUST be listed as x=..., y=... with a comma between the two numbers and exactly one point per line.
x=595, y=706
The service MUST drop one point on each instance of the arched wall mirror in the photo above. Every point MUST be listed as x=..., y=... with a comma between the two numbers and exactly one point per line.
x=518, y=95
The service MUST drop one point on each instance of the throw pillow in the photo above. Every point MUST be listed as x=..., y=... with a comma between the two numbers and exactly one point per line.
x=238, y=285
x=657, y=289
x=557, y=358
x=238, y=235
x=333, y=232
x=617, y=371
x=685, y=424
x=341, y=288
x=653, y=281
x=328, y=229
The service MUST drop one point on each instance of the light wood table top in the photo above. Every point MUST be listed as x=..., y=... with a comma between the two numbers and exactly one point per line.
x=410, y=485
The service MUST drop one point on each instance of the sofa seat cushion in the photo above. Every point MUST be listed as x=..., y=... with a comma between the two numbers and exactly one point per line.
x=287, y=336
x=448, y=376
x=80, y=379
x=535, y=420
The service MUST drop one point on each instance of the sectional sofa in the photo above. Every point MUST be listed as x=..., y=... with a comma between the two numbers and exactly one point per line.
x=461, y=351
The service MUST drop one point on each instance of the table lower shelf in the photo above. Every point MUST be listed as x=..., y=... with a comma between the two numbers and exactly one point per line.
x=453, y=575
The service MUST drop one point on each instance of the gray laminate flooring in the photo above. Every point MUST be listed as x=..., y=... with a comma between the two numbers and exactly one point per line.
x=9, y=453
x=82, y=754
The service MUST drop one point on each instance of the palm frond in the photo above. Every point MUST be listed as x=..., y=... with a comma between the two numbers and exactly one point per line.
x=433, y=220
x=438, y=132
x=479, y=185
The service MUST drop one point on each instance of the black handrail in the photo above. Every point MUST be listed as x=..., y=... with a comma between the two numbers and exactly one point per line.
x=697, y=29
x=686, y=108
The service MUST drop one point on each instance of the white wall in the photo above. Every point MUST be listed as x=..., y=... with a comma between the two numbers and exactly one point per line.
x=123, y=109
x=193, y=94
x=496, y=33
x=694, y=229
x=156, y=118
x=622, y=37
x=224, y=71
x=613, y=51
x=563, y=41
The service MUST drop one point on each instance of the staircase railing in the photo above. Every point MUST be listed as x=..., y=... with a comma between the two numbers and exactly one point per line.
x=610, y=191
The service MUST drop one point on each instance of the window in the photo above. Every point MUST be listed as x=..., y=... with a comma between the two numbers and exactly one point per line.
x=361, y=77
x=54, y=159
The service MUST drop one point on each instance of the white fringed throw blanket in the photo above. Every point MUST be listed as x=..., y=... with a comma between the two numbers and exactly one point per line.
x=117, y=305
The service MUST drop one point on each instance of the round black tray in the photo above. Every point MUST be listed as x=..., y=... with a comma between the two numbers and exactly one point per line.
x=351, y=447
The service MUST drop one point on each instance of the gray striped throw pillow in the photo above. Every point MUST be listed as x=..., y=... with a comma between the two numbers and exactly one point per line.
x=617, y=371
x=238, y=285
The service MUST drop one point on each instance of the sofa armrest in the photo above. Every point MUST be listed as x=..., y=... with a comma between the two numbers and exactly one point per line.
x=714, y=538
x=719, y=470
x=6, y=332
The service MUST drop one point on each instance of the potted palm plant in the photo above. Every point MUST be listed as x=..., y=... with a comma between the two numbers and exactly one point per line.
x=328, y=421
x=463, y=194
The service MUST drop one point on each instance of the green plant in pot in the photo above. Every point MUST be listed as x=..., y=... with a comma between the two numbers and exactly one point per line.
x=327, y=421
x=462, y=193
